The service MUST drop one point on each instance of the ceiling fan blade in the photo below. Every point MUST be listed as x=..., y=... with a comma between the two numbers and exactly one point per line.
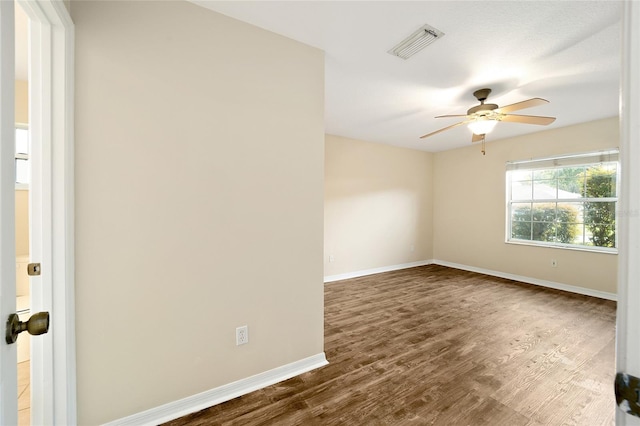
x=443, y=129
x=447, y=116
x=522, y=105
x=476, y=138
x=527, y=119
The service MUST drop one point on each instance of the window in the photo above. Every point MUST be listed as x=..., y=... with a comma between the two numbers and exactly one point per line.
x=22, y=156
x=566, y=201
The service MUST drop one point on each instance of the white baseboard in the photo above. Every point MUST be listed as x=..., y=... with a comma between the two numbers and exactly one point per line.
x=362, y=273
x=528, y=280
x=521, y=278
x=182, y=407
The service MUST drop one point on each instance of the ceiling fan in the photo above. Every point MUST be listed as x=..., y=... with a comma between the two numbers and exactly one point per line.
x=481, y=119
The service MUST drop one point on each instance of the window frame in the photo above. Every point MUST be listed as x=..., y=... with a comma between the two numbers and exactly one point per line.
x=557, y=162
x=21, y=156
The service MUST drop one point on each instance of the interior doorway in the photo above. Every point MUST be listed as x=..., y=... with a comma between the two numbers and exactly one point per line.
x=22, y=206
x=23, y=291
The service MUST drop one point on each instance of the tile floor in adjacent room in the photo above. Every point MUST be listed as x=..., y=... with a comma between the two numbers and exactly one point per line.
x=24, y=394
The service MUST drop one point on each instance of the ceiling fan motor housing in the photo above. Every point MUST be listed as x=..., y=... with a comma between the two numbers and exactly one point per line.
x=482, y=109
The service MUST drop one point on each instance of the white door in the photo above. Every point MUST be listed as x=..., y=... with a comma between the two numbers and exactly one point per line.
x=8, y=354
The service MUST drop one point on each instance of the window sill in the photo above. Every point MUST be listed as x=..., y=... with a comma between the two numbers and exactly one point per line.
x=601, y=250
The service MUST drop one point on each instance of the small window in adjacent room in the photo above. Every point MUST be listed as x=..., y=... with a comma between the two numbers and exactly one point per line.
x=568, y=201
x=22, y=157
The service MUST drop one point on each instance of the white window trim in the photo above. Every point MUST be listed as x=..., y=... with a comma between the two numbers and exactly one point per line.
x=563, y=246
x=22, y=186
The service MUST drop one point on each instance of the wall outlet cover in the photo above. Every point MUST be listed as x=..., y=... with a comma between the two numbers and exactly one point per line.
x=242, y=335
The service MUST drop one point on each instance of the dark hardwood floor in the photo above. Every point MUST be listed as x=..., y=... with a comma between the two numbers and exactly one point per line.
x=435, y=345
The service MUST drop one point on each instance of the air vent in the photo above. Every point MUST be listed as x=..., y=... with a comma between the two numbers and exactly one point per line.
x=416, y=42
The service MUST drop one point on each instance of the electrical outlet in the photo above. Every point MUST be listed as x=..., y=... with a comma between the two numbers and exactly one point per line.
x=242, y=335
x=412, y=247
x=331, y=258
x=554, y=263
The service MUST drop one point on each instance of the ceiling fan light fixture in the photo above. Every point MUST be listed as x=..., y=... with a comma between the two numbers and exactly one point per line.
x=416, y=42
x=482, y=126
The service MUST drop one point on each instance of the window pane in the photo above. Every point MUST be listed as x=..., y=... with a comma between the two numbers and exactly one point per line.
x=544, y=231
x=601, y=181
x=522, y=190
x=570, y=188
x=22, y=171
x=600, y=221
x=567, y=217
x=570, y=212
x=521, y=221
x=544, y=216
x=518, y=175
x=576, y=235
x=544, y=189
x=568, y=233
x=22, y=141
x=599, y=212
x=581, y=235
x=521, y=230
x=545, y=174
x=544, y=212
x=521, y=212
x=602, y=235
x=571, y=179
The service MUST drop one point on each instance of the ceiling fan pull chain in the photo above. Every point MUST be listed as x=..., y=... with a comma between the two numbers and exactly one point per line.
x=483, y=147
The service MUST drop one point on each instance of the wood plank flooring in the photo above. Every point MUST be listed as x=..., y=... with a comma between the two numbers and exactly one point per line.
x=440, y=346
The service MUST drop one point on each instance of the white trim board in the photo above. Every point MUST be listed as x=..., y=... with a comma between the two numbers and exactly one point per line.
x=365, y=272
x=528, y=280
x=194, y=403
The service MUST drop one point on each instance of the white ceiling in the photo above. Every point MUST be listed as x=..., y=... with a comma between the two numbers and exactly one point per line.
x=567, y=52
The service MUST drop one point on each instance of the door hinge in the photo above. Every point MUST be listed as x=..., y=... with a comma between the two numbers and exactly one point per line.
x=628, y=393
x=33, y=269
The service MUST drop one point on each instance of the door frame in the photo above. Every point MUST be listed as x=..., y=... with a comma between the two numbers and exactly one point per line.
x=628, y=315
x=51, y=96
x=8, y=358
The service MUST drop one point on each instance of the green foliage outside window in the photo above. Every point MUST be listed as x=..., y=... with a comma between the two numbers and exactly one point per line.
x=600, y=217
x=545, y=223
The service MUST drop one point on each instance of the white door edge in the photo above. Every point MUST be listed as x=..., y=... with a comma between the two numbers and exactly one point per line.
x=628, y=315
x=51, y=77
x=8, y=353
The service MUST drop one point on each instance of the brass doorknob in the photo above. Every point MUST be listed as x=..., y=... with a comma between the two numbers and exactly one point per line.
x=37, y=324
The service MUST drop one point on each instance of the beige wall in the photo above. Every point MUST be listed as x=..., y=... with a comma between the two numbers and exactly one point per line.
x=22, y=222
x=469, y=212
x=22, y=196
x=198, y=193
x=22, y=102
x=378, y=205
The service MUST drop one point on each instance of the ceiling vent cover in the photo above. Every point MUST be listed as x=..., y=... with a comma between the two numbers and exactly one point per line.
x=416, y=42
